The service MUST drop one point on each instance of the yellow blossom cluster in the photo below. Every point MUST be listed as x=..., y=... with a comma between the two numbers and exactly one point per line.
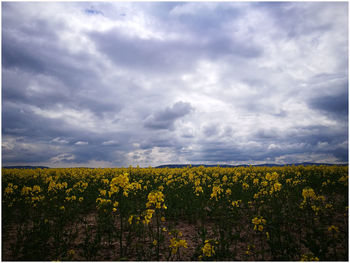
x=156, y=200
x=217, y=190
x=316, y=202
x=333, y=229
x=309, y=257
x=176, y=244
x=236, y=203
x=54, y=186
x=259, y=223
x=148, y=216
x=208, y=249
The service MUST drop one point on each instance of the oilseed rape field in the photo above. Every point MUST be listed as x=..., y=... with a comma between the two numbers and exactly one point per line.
x=293, y=213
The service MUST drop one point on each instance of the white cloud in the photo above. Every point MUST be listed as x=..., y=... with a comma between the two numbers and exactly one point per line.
x=81, y=143
x=60, y=140
x=62, y=158
x=111, y=142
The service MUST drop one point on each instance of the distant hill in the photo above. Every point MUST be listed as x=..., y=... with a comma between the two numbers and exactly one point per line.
x=245, y=165
x=193, y=165
x=25, y=167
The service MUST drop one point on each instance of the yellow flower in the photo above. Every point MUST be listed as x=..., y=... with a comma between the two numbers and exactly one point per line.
x=264, y=183
x=258, y=223
x=309, y=257
x=333, y=228
x=105, y=181
x=208, y=249
x=328, y=206
x=216, y=190
x=236, y=203
x=8, y=190
x=154, y=242
x=309, y=193
x=182, y=243
x=26, y=190
x=103, y=192
x=277, y=187
x=36, y=188
x=198, y=190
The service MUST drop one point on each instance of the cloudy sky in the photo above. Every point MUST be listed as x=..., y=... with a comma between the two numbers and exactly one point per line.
x=119, y=83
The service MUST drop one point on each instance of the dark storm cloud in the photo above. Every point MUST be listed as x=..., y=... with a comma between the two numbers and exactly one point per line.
x=334, y=105
x=158, y=142
x=165, y=119
x=21, y=121
x=273, y=144
x=60, y=75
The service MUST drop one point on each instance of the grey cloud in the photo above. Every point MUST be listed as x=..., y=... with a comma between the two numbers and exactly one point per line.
x=205, y=18
x=270, y=145
x=165, y=119
x=298, y=19
x=266, y=134
x=16, y=150
x=335, y=105
x=210, y=130
x=121, y=90
x=63, y=84
x=60, y=75
x=169, y=56
x=134, y=53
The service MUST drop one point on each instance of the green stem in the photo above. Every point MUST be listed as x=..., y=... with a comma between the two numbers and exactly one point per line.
x=262, y=246
x=121, y=235
x=158, y=235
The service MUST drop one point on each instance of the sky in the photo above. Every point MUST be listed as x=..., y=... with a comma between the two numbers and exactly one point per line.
x=113, y=84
